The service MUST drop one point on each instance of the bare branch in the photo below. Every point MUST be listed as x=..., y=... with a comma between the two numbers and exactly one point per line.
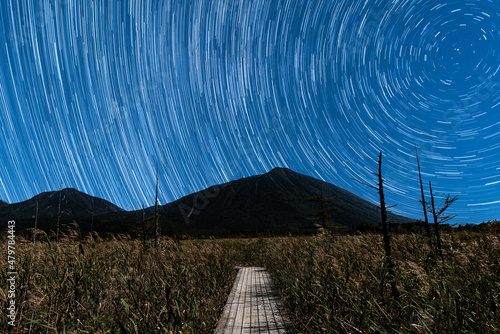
x=365, y=184
x=446, y=218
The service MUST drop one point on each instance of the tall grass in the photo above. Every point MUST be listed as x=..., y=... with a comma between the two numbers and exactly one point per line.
x=329, y=283
x=340, y=284
x=116, y=287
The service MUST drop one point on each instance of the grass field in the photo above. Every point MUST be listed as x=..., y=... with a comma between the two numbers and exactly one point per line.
x=330, y=283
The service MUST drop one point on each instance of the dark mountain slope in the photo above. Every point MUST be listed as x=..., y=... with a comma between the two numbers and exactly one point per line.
x=272, y=201
x=74, y=204
x=275, y=201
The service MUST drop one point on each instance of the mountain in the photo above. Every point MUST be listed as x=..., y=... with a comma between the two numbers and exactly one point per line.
x=275, y=201
x=74, y=204
x=272, y=201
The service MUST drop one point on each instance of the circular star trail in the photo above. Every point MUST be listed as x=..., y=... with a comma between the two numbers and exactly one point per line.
x=95, y=95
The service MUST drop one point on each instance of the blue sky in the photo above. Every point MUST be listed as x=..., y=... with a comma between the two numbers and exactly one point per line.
x=94, y=95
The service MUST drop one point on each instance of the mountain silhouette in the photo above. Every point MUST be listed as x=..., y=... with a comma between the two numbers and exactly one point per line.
x=74, y=205
x=274, y=201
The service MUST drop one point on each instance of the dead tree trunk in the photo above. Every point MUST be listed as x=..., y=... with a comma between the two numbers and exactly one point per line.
x=92, y=219
x=385, y=231
x=58, y=218
x=436, y=224
x=424, y=204
x=156, y=211
x=323, y=213
x=144, y=230
x=36, y=221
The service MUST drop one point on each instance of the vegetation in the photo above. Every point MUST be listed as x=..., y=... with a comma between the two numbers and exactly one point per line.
x=342, y=286
x=439, y=218
x=322, y=213
x=437, y=215
x=330, y=283
x=385, y=229
x=97, y=286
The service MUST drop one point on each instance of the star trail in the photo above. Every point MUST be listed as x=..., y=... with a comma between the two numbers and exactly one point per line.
x=95, y=94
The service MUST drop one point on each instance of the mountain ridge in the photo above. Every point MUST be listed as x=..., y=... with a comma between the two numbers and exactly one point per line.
x=273, y=201
x=74, y=205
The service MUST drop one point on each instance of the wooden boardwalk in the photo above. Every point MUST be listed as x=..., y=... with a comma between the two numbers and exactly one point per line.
x=253, y=306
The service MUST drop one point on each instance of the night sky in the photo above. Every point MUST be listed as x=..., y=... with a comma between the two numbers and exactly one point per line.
x=95, y=94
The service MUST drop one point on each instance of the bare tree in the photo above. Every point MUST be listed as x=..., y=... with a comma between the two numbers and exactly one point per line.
x=424, y=203
x=155, y=224
x=385, y=229
x=144, y=229
x=323, y=213
x=36, y=220
x=438, y=216
x=58, y=218
x=92, y=219
x=156, y=210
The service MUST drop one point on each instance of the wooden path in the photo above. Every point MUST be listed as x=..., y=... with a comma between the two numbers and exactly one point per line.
x=253, y=305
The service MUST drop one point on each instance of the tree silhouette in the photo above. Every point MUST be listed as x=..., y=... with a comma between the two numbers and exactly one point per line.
x=58, y=218
x=385, y=228
x=156, y=210
x=144, y=229
x=438, y=216
x=424, y=203
x=322, y=214
x=151, y=222
x=36, y=221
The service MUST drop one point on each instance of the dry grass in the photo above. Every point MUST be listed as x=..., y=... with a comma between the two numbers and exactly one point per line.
x=338, y=284
x=329, y=283
x=114, y=286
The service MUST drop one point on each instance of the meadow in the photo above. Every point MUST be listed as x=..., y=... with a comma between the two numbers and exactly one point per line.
x=329, y=283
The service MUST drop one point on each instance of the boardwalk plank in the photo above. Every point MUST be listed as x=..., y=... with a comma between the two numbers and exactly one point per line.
x=253, y=306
